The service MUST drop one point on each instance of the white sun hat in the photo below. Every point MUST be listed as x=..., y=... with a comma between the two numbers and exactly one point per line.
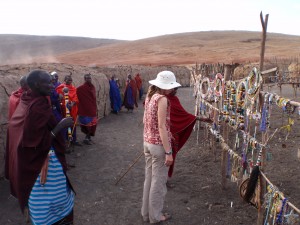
x=165, y=80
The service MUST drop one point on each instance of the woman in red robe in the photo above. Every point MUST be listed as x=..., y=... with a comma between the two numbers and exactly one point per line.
x=64, y=90
x=87, y=108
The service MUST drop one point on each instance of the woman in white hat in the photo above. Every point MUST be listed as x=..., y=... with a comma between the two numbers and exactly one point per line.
x=157, y=146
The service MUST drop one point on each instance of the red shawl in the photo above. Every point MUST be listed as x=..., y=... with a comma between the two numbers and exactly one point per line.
x=13, y=102
x=138, y=81
x=28, y=144
x=182, y=124
x=86, y=94
x=72, y=97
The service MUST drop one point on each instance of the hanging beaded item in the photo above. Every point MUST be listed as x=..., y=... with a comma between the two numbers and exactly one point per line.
x=254, y=81
x=232, y=104
x=240, y=104
x=268, y=201
x=292, y=218
x=235, y=170
x=225, y=111
x=205, y=88
x=264, y=116
x=218, y=87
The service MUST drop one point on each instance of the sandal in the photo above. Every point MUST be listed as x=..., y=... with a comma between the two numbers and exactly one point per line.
x=166, y=216
x=170, y=185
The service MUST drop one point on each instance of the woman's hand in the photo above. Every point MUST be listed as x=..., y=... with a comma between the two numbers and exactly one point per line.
x=204, y=119
x=169, y=160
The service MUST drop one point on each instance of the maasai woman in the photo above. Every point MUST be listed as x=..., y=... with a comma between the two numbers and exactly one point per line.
x=139, y=84
x=36, y=161
x=130, y=94
x=72, y=104
x=115, y=96
x=87, y=108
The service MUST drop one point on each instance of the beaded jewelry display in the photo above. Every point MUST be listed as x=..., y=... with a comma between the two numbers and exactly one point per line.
x=205, y=88
x=218, y=86
x=254, y=81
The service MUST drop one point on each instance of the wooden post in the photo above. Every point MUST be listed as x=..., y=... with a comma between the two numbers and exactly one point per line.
x=264, y=24
x=227, y=73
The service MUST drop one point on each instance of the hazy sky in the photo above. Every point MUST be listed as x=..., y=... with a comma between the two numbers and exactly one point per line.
x=137, y=19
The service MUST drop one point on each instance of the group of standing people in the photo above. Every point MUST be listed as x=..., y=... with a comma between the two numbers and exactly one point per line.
x=78, y=103
x=41, y=113
x=43, y=109
x=133, y=92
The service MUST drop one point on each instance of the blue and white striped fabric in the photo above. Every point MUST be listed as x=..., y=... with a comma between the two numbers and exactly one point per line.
x=54, y=200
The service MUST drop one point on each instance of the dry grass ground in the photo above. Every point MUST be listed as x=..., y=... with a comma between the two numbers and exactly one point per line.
x=189, y=48
x=174, y=49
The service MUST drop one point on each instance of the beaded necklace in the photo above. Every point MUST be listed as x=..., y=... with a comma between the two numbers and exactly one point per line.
x=232, y=104
x=218, y=86
x=225, y=111
x=205, y=84
x=240, y=101
x=254, y=81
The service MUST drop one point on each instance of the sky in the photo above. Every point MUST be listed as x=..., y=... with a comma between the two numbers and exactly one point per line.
x=138, y=19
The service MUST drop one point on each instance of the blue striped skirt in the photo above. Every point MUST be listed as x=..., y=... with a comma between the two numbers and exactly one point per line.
x=54, y=200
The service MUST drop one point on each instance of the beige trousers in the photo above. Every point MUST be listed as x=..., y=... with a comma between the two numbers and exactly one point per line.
x=155, y=190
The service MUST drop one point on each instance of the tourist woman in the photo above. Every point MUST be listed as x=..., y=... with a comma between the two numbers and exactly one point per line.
x=157, y=146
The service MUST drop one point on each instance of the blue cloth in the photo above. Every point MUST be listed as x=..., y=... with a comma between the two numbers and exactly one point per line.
x=129, y=98
x=55, y=103
x=54, y=200
x=85, y=119
x=115, y=96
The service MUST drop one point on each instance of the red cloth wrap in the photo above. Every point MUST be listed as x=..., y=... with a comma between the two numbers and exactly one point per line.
x=138, y=81
x=28, y=144
x=182, y=124
x=72, y=98
x=86, y=94
x=13, y=102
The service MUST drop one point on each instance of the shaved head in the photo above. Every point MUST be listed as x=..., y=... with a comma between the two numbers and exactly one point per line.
x=39, y=82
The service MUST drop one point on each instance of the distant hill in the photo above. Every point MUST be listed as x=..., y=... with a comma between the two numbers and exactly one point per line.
x=23, y=48
x=175, y=49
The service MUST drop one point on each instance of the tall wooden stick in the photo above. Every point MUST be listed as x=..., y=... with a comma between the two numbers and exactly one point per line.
x=264, y=24
x=135, y=161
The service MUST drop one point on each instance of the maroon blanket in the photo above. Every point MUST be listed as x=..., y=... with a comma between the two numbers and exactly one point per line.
x=182, y=124
x=28, y=144
x=86, y=94
x=14, y=101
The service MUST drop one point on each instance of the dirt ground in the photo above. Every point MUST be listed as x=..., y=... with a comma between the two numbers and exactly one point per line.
x=196, y=198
